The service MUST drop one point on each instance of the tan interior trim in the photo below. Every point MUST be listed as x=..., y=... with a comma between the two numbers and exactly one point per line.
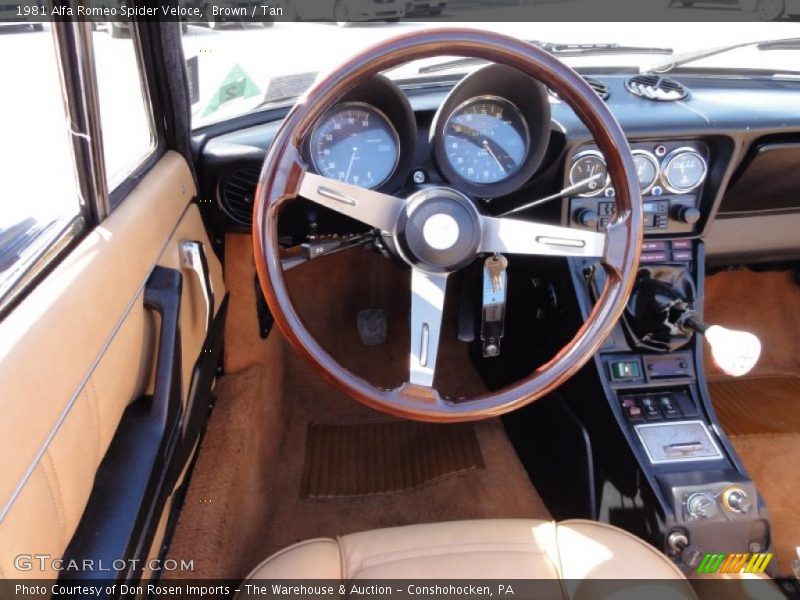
x=61, y=322
x=94, y=243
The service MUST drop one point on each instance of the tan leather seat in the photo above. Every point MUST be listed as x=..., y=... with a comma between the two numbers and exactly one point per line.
x=570, y=551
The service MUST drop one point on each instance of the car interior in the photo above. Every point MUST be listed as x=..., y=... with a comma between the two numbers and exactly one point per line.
x=526, y=321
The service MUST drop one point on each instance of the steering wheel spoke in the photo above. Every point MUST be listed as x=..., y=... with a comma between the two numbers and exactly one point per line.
x=427, y=307
x=373, y=208
x=513, y=236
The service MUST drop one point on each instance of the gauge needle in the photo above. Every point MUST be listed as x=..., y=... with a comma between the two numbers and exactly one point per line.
x=575, y=188
x=350, y=166
x=493, y=155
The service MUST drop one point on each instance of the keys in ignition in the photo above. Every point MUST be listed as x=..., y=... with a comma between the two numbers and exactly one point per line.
x=495, y=283
x=496, y=266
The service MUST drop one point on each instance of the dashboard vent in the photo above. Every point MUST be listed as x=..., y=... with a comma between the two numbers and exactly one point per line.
x=237, y=192
x=656, y=87
x=600, y=88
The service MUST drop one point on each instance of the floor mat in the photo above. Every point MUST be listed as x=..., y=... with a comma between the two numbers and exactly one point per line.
x=385, y=457
x=758, y=405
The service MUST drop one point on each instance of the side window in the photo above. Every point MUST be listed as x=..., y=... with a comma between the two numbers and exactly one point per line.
x=40, y=206
x=39, y=200
x=125, y=110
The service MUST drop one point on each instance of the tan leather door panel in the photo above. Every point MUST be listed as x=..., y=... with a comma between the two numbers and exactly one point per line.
x=79, y=349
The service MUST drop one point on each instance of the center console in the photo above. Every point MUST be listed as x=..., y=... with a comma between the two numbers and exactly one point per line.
x=656, y=392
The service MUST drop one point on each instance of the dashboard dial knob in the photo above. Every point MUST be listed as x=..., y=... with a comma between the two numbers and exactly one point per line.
x=587, y=218
x=687, y=214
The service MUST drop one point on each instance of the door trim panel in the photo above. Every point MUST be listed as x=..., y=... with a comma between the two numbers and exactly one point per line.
x=79, y=350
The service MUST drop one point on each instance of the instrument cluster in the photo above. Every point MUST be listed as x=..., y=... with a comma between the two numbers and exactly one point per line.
x=487, y=138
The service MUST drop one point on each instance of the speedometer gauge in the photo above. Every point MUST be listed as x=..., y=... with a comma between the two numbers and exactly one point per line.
x=486, y=140
x=355, y=143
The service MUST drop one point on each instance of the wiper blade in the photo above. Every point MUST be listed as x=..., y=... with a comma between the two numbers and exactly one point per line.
x=560, y=50
x=688, y=57
x=601, y=49
x=784, y=44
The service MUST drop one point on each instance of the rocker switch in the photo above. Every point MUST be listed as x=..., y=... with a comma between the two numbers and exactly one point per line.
x=632, y=409
x=650, y=407
x=668, y=407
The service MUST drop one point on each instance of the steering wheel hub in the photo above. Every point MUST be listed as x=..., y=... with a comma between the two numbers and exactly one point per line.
x=439, y=230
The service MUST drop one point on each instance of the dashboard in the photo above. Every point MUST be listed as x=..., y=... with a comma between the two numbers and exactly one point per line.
x=507, y=141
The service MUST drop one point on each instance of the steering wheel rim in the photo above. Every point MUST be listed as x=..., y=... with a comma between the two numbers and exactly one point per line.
x=284, y=173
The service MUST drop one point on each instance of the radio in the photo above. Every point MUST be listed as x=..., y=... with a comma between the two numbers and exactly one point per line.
x=662, y=214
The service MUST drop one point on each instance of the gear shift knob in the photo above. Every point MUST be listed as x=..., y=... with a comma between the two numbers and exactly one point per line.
x=734, y=352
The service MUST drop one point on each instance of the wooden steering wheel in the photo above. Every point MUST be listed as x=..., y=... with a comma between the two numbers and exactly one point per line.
x=285, y=176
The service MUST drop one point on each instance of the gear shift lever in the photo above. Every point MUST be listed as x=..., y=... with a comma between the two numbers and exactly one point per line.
x=734, y=352
x=660, y=317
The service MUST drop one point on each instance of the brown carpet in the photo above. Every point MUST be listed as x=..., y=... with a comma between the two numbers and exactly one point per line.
x=386, y=456
x=761, y=412
x=758, y=405
x=244, y=499
x=764, y=303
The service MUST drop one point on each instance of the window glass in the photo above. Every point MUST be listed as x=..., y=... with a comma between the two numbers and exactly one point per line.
x=124, y=108
x=38, y=191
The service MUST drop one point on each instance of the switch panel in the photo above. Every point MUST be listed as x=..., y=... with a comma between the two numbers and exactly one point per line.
x=658, y=405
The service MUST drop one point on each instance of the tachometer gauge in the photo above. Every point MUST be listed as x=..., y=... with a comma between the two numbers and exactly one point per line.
x=355, y=143
x=486, y=140
x=646, y=169
x=684, y=170
x=589, y=166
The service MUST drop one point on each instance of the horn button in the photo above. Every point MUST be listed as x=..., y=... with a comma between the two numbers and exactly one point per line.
x=439, y=229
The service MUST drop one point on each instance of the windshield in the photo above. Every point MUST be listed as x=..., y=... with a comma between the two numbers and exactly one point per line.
x=240, y=68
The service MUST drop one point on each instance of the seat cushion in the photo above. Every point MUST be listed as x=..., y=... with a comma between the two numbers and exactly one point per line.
x=482, y=549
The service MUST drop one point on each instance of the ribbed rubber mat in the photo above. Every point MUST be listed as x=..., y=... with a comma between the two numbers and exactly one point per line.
x=384, y=457
x=757, y=405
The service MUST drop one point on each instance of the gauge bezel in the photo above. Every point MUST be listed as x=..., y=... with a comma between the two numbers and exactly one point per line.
x=497, y=100
x=582, y=154
x=365, y=106
x=531, y=99
x=654, y=161
x=672, y=156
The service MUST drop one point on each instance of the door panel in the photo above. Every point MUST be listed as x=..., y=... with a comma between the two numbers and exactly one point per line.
x=79, y=349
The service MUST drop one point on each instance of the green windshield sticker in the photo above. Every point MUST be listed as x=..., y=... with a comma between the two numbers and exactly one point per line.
x=237, y=84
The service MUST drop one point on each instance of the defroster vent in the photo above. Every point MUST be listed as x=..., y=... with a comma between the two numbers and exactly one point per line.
x=656, y=87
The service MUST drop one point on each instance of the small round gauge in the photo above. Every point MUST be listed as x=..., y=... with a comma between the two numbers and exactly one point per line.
x=486, y=140
x=589, y=165
x=646, y=169
x=355, y=143
x=684, y=170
